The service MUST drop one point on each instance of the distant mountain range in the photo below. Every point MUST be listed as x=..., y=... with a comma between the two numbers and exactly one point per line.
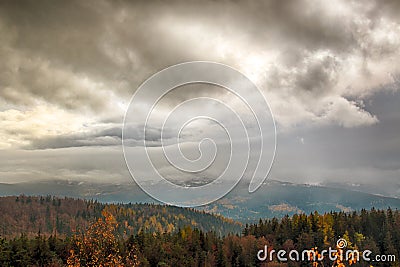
x=274, y=198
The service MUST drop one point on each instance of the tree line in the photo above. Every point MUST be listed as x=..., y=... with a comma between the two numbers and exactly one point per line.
x=103, y=243
x=64, y=216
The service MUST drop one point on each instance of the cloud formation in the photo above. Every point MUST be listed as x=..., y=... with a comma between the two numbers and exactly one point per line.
x=68, y=69
x=92, y=56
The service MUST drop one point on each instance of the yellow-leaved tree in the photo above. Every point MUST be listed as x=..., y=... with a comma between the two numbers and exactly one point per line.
x=98, y=246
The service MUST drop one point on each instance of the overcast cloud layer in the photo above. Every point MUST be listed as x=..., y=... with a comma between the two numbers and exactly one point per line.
x=330, y=72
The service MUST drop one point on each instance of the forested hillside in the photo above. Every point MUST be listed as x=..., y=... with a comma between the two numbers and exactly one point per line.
x=64, y=216
x=102, y=239
x=375, y=230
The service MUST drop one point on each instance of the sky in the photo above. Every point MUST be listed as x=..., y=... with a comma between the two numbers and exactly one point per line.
x=328, y=69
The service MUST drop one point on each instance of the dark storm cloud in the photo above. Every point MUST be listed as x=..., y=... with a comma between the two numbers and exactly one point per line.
x=46, y=46
x=52, y=46
x=87, y=55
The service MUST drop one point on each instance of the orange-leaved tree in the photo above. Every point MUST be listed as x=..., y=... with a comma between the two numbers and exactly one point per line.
x=98, y=246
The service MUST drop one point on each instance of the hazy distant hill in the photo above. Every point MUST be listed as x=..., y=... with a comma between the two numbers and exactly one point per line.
x=274, y=198
x=106, y=192
x=64, y=216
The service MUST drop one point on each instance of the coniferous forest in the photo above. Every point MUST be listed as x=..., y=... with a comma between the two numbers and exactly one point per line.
x=48, y=231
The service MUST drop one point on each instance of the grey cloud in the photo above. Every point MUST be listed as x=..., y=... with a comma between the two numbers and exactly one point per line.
x=111, y=136
x=385, y=8
x=73, y=140
x=52, y=47
x=366, y=155
x=318, y=77
x=122, y=43
x=37, y=46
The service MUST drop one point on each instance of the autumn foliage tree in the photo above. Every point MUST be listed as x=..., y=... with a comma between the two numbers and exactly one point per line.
x=98, y=246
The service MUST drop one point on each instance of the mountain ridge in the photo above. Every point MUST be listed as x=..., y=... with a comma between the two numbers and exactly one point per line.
x=273, y=199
